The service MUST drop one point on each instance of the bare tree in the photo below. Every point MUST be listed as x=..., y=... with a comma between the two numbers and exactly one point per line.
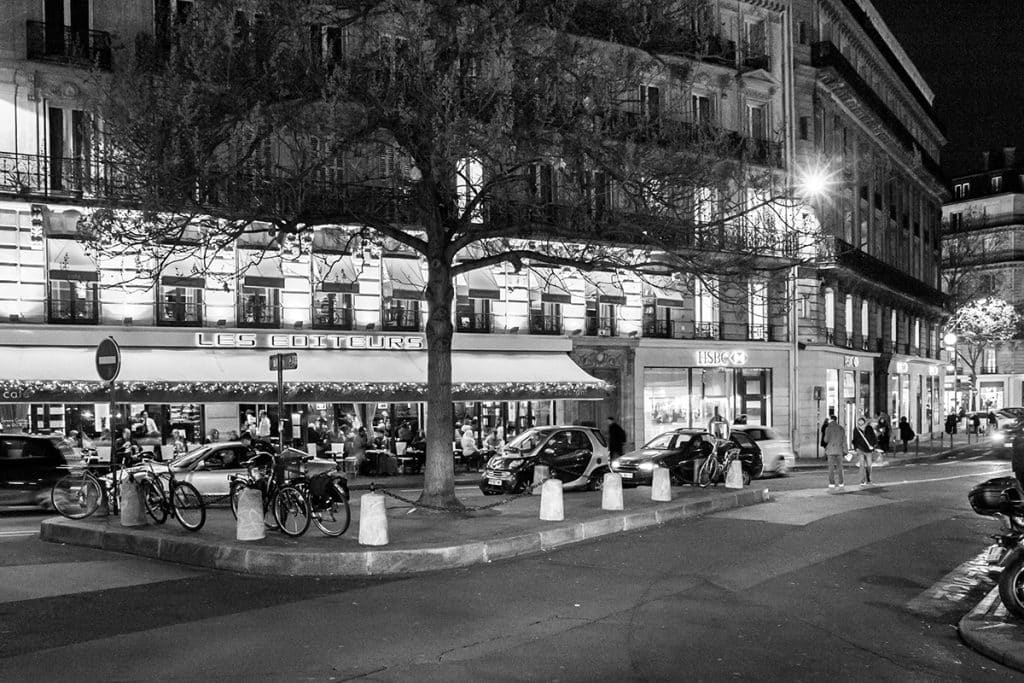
x=471, y=132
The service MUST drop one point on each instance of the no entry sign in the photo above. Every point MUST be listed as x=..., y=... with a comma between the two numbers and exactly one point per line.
x=108, y=359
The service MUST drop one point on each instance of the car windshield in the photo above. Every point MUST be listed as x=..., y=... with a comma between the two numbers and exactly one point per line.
x=191, y=457
x=526, y=441
x=663, y=442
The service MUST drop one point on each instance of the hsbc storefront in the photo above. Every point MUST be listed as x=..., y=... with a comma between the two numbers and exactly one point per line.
x=679, y=386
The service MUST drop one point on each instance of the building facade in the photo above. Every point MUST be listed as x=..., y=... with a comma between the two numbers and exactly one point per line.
x=795, y=81
x=983, y=237
x=869, y=316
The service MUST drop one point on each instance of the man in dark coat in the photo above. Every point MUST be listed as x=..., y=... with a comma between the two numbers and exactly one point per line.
x=616, y=438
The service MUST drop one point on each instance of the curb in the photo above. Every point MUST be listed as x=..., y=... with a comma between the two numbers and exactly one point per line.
x=993, y=635
x=247, y=559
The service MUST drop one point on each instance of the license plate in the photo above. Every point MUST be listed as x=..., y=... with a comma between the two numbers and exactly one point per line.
x=494, y=482
x=995, y=554
x=626, y=475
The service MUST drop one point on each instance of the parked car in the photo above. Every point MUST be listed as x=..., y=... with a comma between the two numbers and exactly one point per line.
x=578, y=456
x=210, y=467
x=681, y=450
x=777, y=453
x=29, y=466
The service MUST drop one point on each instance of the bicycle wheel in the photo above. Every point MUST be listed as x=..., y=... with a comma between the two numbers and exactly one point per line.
x=291, y=510
x=333, y=517
x=154, y=500
x=76, y=495
x=705, y=473
x=187, y=505
x=236, y=489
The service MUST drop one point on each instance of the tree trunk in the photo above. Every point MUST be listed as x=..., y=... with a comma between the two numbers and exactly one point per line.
x=439, y=472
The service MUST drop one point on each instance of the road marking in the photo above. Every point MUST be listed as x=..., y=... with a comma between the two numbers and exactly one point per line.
x=953, y=589
x=18, y=532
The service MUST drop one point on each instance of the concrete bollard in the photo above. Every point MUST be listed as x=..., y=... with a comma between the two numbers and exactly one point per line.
x=551, y=509
x=133, y=511
x=373, y=519
x=540, y=473
x=249, y=526
x=611, y=492
x=661, y=486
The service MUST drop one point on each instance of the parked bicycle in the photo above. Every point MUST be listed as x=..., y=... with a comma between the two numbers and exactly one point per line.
x=327, y=496
x=163, y=495
x=715, y=468
x=285, y=504
x=84, y=489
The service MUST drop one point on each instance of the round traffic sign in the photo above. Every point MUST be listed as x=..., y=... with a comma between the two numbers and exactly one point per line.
x=108, y=359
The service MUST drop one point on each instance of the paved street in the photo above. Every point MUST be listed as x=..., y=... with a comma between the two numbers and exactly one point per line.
x=869, y=583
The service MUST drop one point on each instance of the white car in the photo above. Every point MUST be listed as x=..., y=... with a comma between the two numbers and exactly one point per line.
x=776, y=452
x=210, y=467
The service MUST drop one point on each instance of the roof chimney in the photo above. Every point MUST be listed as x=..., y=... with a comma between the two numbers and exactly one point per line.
x=1009, y=156
x=984, y=161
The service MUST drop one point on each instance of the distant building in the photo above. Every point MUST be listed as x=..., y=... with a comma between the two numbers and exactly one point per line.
x=983, y=241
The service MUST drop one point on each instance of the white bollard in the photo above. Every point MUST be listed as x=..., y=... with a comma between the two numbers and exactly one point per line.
x=249, y=526
x=611, y=492
x=734, y=477
x=133, y=511
x=551, y=509
x=373, y=519
x=661, y=486
x=540, y=473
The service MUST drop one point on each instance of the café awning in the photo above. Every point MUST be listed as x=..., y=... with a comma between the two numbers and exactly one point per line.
x=323, y=375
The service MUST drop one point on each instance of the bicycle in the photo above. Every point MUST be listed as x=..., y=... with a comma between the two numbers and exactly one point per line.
x=163, y=495
x=80, y=492
x=715, y=468
x=327, y=496
x=283, y=500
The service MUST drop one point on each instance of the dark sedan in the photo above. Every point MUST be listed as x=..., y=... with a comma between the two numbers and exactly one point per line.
x=29, y=466
x=680, y=451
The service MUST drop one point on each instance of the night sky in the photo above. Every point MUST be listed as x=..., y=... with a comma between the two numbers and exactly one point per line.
x=971, y=53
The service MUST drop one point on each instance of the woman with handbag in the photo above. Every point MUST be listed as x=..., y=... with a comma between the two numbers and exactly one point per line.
x=864, y=443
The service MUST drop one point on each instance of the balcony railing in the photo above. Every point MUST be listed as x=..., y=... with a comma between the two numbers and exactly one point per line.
x=260, y=315
x=474, y=322
x=400, y=320
x=600, y=327
x=757, y=332
x=545, y=324
x=707, y=330
x=68, y=45
x=46, y=176
x=333, y=318
x=73, y=311
x=179, y=313
x=664, y=329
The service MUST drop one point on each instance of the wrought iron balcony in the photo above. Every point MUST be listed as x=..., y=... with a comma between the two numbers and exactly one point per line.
x=474, y=322
x=400, y=320
x=73, y=310
x=257, y=314
x=600, y=327
x=36, y=175
x=707, y=330
x=179, y=313
x=332, y=318
x=545, y=324
x=68, y=45
x=664, y=329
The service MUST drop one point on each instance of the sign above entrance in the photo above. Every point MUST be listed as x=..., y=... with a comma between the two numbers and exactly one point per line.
x=253, y=340
x=851, y=361
x=720, y=358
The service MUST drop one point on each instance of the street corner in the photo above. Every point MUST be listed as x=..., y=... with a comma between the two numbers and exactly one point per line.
x=992, y=631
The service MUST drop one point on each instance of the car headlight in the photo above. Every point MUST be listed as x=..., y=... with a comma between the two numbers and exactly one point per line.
x=647, y=466
x=615, y=464
x=494, y=463
x=998, y=436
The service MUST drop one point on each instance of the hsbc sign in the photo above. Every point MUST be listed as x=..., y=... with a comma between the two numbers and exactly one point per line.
x=721, y=358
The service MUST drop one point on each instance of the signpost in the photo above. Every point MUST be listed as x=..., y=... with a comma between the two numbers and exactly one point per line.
x=108, y=366
x=282, y=362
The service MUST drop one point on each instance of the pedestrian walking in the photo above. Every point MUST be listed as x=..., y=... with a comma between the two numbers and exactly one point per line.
x=835, y=449
x=263, y=428
x=884, y=432
x=993, y=422
x=616, y=438
x=864, y=442
x=906, y=432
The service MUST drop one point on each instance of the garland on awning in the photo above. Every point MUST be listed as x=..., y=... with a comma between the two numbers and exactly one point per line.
x=26, y=390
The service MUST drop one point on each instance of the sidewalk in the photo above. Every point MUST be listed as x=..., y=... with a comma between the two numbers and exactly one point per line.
x=419, y=540
x=994, y=633
x=923, y=450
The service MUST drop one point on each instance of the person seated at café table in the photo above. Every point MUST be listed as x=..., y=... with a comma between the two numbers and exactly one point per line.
x=470, y=453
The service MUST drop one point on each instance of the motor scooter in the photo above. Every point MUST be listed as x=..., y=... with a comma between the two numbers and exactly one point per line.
x=1003, y=497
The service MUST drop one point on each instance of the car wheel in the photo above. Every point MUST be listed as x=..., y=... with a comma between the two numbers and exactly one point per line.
x=755, y=472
